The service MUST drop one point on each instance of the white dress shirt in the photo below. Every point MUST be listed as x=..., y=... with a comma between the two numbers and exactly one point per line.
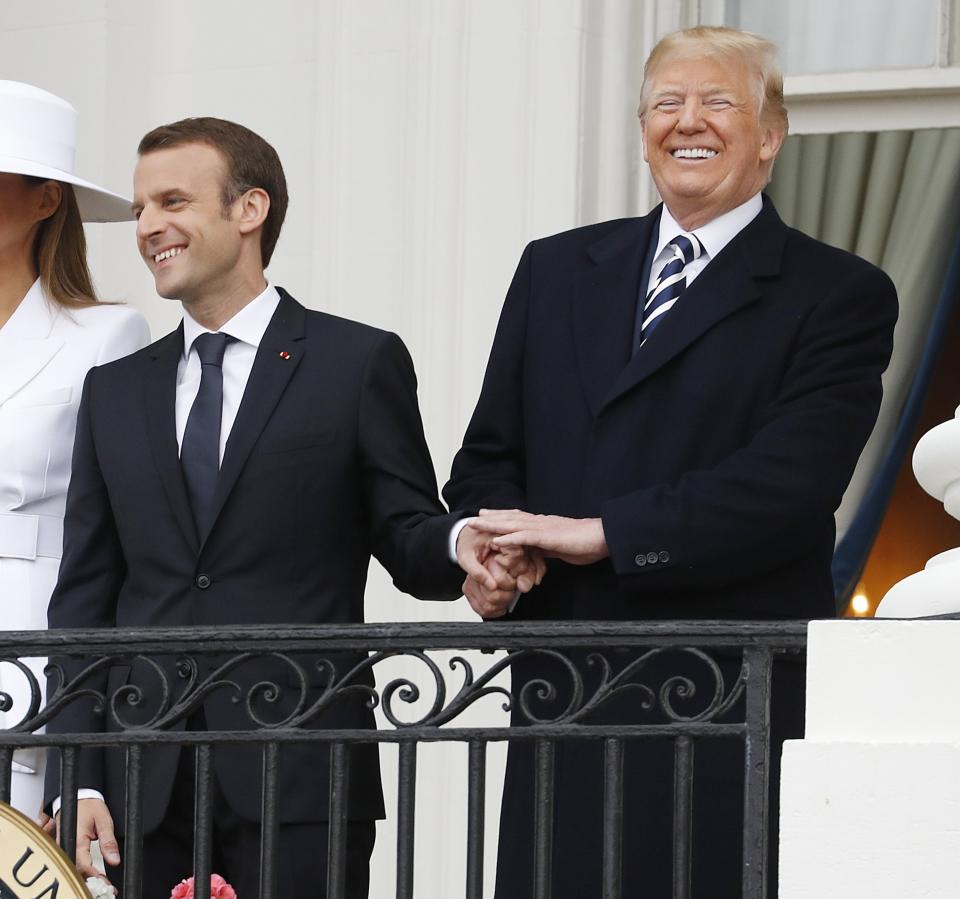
x=246, y=328
x=713, y=235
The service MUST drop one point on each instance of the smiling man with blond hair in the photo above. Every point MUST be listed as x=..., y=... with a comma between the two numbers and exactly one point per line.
x=673, y=407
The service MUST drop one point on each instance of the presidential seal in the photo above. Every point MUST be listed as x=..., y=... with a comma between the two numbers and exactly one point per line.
x=33, y=866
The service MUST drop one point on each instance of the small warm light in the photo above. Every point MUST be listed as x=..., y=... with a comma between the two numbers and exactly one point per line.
x=860, y=604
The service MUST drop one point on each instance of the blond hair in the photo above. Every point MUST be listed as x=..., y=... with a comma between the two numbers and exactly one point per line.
x=756, y=52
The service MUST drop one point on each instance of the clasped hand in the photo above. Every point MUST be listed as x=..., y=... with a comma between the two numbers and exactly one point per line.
x=503, y=552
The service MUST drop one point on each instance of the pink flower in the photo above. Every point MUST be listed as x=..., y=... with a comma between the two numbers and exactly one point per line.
x=219, y=889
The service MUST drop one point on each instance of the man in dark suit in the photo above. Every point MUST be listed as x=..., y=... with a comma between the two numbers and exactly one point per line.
x=672, y=409
x=241, y=470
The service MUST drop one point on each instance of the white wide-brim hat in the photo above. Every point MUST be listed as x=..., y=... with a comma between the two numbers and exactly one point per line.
x=38, y=136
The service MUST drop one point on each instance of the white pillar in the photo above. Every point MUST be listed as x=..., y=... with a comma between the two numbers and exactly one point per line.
x=870, y=799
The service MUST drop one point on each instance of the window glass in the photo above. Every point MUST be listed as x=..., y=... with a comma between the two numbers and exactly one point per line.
x=816, y=36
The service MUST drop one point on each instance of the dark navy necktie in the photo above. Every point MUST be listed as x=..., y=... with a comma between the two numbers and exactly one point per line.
x=671, y=283
x=200, y=451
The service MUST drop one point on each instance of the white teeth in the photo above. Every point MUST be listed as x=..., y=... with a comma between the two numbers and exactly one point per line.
x=694, y=153
x=166, y=254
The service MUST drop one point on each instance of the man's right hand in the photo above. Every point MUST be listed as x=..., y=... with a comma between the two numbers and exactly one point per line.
x=495, y=578
x=94, y=822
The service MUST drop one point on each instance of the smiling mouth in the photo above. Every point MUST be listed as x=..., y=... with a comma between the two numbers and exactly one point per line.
x=167, y=254
x=693, y=153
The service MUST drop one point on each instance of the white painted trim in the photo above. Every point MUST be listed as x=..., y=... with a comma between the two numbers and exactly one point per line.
x=873, y=101
x=891, y=82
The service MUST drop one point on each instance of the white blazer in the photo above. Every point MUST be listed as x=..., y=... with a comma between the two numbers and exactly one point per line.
x=45, y=354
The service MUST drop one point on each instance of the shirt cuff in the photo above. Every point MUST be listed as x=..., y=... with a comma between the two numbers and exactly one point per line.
x=81, y=794
x=454, y=534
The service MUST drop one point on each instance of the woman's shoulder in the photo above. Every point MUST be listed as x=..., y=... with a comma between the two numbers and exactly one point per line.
x=119, y=329
x=105, y=315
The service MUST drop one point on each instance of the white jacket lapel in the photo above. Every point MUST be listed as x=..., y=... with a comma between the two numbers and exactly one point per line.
x=26, y=343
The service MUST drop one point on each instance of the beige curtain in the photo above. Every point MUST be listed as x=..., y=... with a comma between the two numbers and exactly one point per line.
x=892, y=198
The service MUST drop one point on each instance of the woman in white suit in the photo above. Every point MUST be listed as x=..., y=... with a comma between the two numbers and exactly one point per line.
x=52, y=331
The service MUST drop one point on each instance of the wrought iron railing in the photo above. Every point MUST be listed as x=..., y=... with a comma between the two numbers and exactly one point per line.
x=207, y=660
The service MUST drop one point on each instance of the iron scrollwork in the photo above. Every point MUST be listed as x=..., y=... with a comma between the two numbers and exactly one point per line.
x=556, y=687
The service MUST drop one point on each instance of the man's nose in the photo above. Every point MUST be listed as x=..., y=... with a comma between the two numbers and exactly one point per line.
x=149, y=223
x=690, y=119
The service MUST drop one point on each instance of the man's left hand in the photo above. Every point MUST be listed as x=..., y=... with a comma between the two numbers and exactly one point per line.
x=579, y=541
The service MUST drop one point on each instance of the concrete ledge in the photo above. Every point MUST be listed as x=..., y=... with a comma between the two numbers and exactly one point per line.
x=884, y=680
x=870, y=820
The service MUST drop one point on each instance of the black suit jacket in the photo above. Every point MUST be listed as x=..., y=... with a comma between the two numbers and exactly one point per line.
x=717, y=455
x=325, y=466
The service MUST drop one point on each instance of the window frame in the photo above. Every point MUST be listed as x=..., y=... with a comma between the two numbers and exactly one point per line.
x=869, y=100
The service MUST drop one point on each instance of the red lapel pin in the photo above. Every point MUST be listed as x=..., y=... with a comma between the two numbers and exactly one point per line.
x=284, y=355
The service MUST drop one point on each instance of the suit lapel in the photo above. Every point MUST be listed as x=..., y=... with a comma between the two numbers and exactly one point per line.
x=728, y=284
x=605, y=304
x=280, y=352
x=160, y=399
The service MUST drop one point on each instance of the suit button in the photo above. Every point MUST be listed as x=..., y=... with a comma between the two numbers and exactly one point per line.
x=203, y=581
x=640, y=560
x=652, y=558
x=664, y=556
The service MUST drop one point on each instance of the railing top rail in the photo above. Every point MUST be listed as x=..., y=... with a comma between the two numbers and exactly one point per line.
x=410, y=635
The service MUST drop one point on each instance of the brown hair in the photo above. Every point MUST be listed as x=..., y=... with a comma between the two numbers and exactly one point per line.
x=251, y=162
x=756, y=52
x=60, y=252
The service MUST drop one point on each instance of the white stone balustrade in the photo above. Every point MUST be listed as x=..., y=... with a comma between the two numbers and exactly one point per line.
x=870, y=799
x=936, y=589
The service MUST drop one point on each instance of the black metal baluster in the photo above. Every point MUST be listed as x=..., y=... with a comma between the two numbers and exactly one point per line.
x=476, y=808
x=759, y=662
x=133, y=824
x=269, y=822
x=682, y=816
x=202, y=823
x=68, y=801
x=543, y=840
x=6, y=773
x=406, y=816
x=337, y=840
x=612, y=817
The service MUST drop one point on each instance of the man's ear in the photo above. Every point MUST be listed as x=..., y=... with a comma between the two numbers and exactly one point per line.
x=770, y=145
x=51, y=195
x=254, y=206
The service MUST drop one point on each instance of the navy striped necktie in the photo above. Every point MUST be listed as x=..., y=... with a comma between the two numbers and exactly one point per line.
x=671, y=283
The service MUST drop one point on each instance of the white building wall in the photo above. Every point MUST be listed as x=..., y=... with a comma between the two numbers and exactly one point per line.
x=424, y=142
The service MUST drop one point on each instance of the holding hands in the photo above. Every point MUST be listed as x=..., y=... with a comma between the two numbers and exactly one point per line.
x=579, y=541
x=495, y=578
x=503, y=552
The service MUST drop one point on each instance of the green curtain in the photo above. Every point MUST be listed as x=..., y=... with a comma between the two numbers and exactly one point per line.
x=892, y=198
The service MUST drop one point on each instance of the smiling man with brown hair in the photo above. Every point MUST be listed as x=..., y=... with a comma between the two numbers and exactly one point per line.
x=241, y=470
